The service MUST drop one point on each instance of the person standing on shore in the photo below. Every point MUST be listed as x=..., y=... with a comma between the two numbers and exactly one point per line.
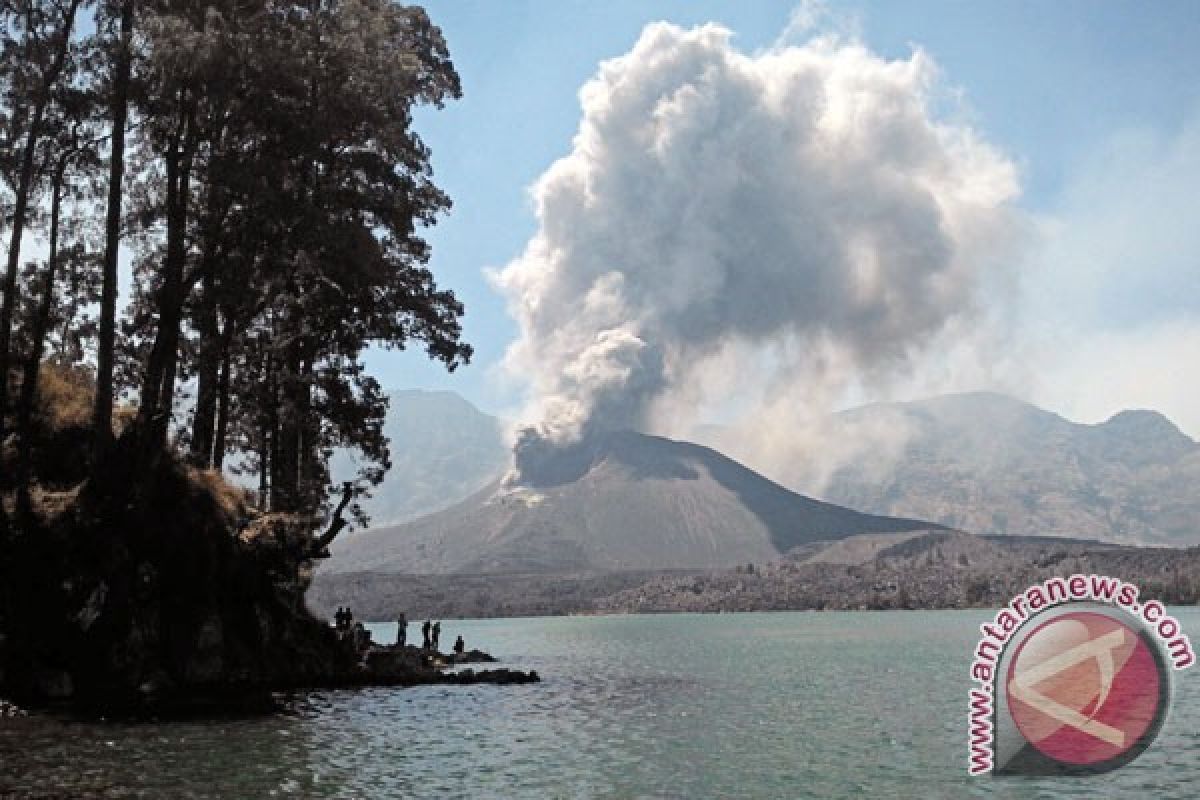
x=437, y=632
x=459, y=646
x=401, y=629
x=425, y=633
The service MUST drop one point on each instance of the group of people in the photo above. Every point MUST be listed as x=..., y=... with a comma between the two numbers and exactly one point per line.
x=344, y=624
x=431, y=631
x=343, y=619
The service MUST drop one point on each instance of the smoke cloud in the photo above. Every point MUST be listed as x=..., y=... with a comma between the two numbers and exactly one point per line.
x=774, y=227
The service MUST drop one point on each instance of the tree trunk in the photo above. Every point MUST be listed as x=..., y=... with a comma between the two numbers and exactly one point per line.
x=218, y=450
x=41, y=323
x=271, y=438
x=20, y=208
x=309, y=487
x=177, y=255
x=212, y=343
x=158, y=390
x=207, y=377
x=287, y=478
x=264, y=467
x=102, y=412
x=285, y=473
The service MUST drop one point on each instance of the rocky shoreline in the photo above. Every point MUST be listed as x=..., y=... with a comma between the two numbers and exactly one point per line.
x=408, y=665
x=156, y=589
x=375, y=666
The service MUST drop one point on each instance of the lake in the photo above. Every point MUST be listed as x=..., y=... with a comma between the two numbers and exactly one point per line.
x=771, y=705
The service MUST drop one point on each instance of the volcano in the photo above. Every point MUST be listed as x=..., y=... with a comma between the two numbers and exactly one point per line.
x=615, y=502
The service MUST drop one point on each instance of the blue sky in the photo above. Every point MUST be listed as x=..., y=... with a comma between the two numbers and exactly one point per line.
x=1098, y=104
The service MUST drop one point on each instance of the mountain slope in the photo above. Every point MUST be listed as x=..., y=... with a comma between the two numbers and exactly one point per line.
x=638, y=503
x=940, y=569
x=981, y=462
x=443, y=449
x=991, y=464
x=911, y=569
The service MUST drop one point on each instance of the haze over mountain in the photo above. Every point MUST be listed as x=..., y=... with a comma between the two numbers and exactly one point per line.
x=443, y=449
x=981, y=462
x=620, y=501
x=989, y=464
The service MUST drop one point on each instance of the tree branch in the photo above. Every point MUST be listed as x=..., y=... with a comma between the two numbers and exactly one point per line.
x=320, y=546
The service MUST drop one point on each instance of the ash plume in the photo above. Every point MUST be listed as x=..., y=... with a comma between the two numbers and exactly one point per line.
x=726, y=220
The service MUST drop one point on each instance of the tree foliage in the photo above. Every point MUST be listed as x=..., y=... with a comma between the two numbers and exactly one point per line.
x=257, y=161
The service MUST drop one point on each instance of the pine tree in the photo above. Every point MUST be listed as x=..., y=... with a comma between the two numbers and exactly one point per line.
x=68, y=160
x=36, y=53
x=263, y=172
x=119, y=15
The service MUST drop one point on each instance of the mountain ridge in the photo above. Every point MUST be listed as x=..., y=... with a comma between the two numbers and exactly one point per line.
x=980, y=461
x=994, y=465
x=641, y=502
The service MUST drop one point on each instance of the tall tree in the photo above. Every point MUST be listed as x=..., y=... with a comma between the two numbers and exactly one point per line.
x=356, y=184
x=43, y=47
x=300, y=223
x=194, y=71
x=72, y=147
x=273, y=194
x=121, y=50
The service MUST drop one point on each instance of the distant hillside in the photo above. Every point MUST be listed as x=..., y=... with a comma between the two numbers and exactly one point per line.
x=640, y=503
x=987, y=463
x=981, y=462
x=941, y=569
x=913, y=569
x=443, y=449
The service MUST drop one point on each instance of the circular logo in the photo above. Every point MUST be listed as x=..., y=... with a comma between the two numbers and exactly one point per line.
x=1087, y=690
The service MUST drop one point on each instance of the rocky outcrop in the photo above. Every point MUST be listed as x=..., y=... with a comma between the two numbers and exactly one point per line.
x=156, y=586
x=470, y=657
x=495, y=676
x=409, y=665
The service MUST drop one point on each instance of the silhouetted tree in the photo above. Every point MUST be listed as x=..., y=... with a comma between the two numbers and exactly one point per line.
x=36, y=51
x=118, y=15
x=263, y=171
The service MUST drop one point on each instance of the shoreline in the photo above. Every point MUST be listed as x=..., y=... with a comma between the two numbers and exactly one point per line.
x=381, y=666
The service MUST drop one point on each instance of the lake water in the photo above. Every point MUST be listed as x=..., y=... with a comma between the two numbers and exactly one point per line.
x=774, y=705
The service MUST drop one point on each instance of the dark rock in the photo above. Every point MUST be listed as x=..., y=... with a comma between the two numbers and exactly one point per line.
x=400, y=664
x=496, y=676
x=148, y=591
x=56, y=684
x=470, y=657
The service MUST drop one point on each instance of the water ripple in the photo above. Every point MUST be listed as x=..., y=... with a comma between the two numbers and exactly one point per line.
x=754, y=705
